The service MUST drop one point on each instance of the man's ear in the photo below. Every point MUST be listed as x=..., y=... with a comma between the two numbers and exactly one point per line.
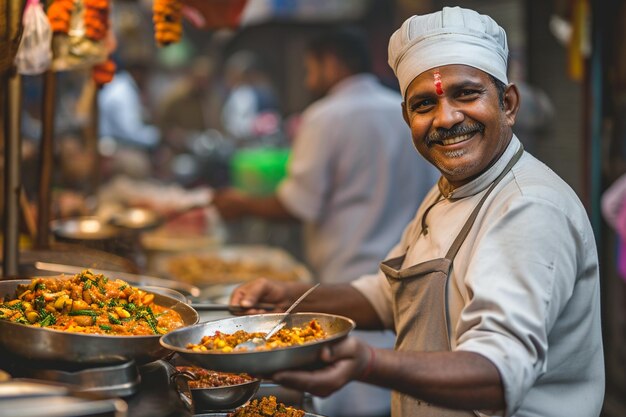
x=404, y=114
x=511, y=103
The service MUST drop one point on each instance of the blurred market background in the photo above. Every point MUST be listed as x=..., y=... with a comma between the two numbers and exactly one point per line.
x=214, y=101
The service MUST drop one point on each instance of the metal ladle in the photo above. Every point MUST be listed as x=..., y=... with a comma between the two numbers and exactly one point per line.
x=260, y=341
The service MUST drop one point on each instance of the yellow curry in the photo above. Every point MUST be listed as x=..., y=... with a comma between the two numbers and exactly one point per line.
x=267, y=407
x=89, y=303
x=226, y=342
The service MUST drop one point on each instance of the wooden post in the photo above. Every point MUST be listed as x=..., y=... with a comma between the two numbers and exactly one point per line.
x=12, y=177
x=46, y=161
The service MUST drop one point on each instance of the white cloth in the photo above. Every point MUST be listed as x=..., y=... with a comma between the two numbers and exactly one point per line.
x=121, y=113
x=524, y=288
x=352, y=154
x=451, y=36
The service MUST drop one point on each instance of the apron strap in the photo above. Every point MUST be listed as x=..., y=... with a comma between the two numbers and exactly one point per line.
x=456, y=245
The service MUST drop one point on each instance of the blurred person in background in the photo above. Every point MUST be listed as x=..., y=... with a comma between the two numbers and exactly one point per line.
x=350, y=155
x=251, y=109
x=127, y=140
x=122, y=114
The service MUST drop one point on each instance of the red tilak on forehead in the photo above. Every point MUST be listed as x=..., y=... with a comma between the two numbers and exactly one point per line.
x=437, y=78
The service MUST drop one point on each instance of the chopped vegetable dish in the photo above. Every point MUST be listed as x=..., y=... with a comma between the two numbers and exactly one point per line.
x=226, y=342
x=89, y=303
x=267, y=407
x=213, y=379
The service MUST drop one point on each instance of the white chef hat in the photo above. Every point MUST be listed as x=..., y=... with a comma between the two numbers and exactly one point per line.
x=451, y=36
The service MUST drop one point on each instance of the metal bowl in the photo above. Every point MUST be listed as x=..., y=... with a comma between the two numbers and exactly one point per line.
x=257, y=362
x=136, y=219
x=208, y=399
x=86, y=228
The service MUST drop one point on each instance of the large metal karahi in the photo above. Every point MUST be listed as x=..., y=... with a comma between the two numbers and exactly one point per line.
x=43, y=344
x=263, y=362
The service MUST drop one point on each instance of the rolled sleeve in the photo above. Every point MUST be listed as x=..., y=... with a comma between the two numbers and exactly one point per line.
x=378, y=292
x=522, y=275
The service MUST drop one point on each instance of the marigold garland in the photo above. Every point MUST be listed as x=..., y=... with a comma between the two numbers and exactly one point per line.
x=96, y=18
x=103, y=73
x=167, y=18
x=59, y=14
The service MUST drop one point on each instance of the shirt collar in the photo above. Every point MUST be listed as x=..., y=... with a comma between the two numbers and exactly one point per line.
x=485, y=179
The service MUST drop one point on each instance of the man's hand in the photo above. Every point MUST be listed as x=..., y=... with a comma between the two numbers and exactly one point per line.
x=231, y=204
x=347, y=360
x=262, y=290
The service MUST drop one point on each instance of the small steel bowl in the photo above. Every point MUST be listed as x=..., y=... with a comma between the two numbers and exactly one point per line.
x=223, y=398
x=136, y=218
x=86, y=228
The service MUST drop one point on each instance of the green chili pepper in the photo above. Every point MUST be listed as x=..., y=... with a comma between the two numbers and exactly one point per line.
x=84, y=313
x=114, y=320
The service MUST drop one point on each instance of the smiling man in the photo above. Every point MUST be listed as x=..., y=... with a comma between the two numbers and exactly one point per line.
x=493, y=290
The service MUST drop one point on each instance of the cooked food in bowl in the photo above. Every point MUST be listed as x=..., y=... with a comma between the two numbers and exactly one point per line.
x=226, y=342
x=267, y=407
x=257, y=362
x=205, y=378
x=89, y=303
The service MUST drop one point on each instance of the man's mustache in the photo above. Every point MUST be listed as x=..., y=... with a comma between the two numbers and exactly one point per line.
x=457, y=130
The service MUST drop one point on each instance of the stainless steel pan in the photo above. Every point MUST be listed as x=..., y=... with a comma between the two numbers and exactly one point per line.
x=257, y=362
x=37, y=343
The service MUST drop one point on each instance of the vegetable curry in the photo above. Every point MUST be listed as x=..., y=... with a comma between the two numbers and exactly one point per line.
x=226, y=342
x=89, y=303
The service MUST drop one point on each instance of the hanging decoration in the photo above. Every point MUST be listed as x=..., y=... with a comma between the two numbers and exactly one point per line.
x=103, y=73
x=167, y=19
x=59, y=14
x=79, y=27
x=96, y=19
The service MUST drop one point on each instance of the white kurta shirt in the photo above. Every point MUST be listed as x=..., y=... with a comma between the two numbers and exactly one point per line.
x=352, y=155
x=524, y=288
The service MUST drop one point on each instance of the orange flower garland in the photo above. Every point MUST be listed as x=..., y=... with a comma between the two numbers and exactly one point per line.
x=103, y=73
x=96, y=19
x=167, y=18
x=59, y=14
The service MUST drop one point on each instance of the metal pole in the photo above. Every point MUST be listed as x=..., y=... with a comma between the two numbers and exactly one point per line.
x=12, y=179
x=46, y=164
x=91, y=136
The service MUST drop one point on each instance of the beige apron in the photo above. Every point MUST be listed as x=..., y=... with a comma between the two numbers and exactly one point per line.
x=420, y=306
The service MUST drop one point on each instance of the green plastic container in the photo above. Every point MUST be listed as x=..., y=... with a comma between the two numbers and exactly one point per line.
x=258, y=171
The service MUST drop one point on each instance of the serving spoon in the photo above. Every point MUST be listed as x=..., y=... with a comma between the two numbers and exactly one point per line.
x=255, y=342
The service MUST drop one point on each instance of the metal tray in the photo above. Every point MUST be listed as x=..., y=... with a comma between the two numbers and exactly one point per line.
x=245, y=257
x=258, y=362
